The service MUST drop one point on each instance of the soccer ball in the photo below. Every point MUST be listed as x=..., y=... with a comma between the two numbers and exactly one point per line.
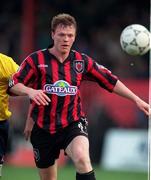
x=135, y=40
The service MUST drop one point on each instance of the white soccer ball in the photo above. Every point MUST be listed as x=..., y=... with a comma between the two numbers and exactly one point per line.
x=135, y=40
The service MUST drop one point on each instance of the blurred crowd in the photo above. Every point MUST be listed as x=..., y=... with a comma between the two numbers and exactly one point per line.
x=100, y=24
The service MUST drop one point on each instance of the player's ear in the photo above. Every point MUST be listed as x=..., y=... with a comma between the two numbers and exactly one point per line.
x=74, y=39
x=52, y=34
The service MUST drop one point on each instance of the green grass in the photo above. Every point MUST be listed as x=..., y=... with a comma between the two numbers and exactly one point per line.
x=68, y=173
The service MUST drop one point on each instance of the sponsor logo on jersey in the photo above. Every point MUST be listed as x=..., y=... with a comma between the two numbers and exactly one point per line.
x=60, y=88
x=78, y=66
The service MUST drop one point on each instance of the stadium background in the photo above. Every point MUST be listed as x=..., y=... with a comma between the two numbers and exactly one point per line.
x=25, y=27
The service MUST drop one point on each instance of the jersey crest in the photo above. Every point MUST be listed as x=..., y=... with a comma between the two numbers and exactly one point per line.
x=78, y=66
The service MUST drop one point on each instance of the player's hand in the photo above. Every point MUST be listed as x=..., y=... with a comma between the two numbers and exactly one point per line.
x=28, y=128
x=39, y=97
x=142, y=105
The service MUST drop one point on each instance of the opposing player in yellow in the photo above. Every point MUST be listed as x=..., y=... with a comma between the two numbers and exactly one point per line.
x=7, y=68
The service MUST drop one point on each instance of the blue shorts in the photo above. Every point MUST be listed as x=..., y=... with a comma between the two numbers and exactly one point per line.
x=4, y=128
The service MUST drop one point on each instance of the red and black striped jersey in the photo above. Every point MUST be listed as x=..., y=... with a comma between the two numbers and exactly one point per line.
x=61, y=82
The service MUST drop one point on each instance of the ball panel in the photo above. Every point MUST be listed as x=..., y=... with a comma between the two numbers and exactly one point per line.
x=142, y=39
x=128, y=35
x=132, y=50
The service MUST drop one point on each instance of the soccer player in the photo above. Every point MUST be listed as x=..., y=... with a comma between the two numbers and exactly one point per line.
x=7, y=68
x=60, y=123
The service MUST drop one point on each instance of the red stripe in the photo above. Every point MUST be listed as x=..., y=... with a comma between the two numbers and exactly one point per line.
x=102, y=79
x=31, y=63
x=43, y=78
x=75, y=108
x=67, y=98
x=28, y=60
x=17, y=75
x=75, y=114
x=54, y=98
x=90, y=64
x=29, y=75
x=78, y=56
x=32, y=71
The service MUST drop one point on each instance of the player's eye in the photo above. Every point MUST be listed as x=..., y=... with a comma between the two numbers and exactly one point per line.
x=70, y=35
x=61, y=35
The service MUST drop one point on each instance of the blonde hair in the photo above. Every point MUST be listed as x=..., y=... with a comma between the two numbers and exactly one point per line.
x=63, y=19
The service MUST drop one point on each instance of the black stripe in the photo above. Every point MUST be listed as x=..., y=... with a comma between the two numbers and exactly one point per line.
x=24, y=73
x=85, y=58
x=35, y=60
x=35, y=111
x=61, y=99
x=48, y=79
x=73, y=76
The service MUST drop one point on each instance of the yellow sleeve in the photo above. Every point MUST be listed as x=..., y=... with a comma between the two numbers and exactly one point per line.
x=8, y=66
x=13, y=67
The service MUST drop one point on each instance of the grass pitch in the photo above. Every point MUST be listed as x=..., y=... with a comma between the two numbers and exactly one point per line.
x=68, y=173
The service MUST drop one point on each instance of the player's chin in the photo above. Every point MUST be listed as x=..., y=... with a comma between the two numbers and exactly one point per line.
x=65, y=50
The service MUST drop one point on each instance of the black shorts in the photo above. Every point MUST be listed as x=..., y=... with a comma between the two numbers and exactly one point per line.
x=4, y=128
x=47, y=146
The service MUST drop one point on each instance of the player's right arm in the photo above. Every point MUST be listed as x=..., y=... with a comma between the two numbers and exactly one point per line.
x=27, y=75
x=38, y=96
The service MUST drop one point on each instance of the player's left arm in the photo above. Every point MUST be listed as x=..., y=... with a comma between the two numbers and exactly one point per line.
x=110, y=82
x=98, y=73
x=125, y=92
